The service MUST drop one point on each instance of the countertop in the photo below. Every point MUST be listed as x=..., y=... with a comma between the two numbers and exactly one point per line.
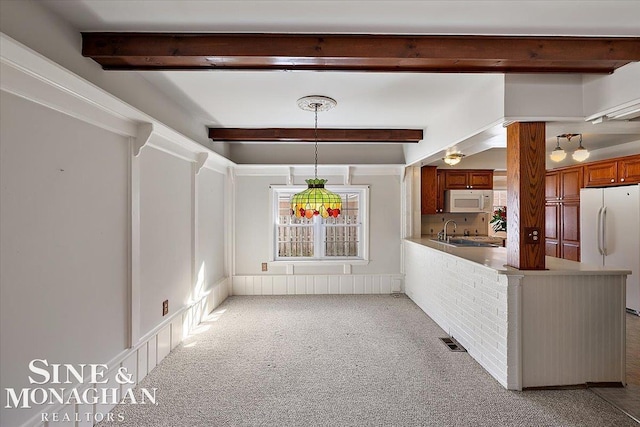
x=496, y=259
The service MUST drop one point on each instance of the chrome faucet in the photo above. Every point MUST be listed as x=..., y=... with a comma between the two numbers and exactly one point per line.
x=445, y=228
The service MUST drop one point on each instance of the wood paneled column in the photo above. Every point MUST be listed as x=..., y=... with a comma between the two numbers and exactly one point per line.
x=525, y=195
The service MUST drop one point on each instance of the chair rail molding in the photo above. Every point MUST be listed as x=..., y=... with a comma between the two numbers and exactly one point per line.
x=34, y=77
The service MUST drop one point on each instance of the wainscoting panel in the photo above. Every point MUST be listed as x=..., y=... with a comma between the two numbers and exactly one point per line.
x=152, y=360
x=177, y=327
x=66, y=412
x=591, y=310
x=317, y=284
x=140, y=359
x=164, y=342
x=131, y=365
x=142, y=362
x=85, y=409
x=559, y=327
x=102, y=409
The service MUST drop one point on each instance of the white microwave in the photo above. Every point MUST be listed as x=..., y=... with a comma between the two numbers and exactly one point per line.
x=468, y=201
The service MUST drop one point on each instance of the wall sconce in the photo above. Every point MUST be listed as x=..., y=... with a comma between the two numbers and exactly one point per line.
x=453, y=158
x=558, y=154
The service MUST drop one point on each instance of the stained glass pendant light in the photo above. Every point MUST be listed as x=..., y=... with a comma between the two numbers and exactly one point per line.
x=316, y=200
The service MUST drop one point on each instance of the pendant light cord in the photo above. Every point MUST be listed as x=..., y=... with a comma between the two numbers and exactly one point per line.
x=315, y=170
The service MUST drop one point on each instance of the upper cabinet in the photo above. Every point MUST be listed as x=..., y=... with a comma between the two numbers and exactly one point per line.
x=461, y=179
x=429, y=190
x=563, y=184
x=621, y=171
x=440, y=193
x=435, y=181
x=598, y=174
x=629, y=169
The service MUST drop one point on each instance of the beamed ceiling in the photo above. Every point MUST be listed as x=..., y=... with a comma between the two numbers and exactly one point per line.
x=353, y=52
x=323, y=135
x=360, y=52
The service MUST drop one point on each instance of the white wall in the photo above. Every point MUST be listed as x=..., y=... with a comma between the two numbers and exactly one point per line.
x=333, y=154
x=543, y=97
x=211, y=223
x=602, y=93
x=32, y=24
x=165, y=232
x=64, y=268
x=252, y=230
x=74, y=283
x=481, y=109
x=252, y=227
x=385, y=224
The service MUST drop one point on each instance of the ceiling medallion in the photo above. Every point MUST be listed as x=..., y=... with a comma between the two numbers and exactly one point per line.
x=319, y=102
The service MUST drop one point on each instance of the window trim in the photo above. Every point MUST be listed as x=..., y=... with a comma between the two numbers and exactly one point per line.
x=363, y=191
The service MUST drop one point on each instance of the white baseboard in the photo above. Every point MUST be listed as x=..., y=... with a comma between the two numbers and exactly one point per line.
x=347, y=284
x=140, y=359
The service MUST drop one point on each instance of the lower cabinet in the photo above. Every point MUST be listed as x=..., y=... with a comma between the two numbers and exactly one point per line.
x=562, y=230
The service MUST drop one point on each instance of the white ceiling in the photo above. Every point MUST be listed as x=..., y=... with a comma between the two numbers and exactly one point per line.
x=377, y=100
x=535, y=17
x=268, y=99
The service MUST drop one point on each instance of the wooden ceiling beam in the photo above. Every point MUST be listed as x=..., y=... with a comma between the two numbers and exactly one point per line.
x=359, y=52
x=308, y=134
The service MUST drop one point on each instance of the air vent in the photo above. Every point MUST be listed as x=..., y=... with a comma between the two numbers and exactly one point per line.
x=452, y=344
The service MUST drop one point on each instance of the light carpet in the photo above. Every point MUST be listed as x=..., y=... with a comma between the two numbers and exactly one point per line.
x=360, y=360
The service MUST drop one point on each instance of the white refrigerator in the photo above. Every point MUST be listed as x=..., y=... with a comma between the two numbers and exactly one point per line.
x=610, y=233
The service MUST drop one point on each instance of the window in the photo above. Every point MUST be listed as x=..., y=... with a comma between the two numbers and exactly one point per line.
x=499, y=199
x=317, y=238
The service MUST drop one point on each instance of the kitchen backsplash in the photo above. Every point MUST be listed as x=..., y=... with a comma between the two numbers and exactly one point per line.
x=475, y=223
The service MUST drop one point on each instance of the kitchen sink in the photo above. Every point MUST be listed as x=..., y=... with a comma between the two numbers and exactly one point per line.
x=461, y=242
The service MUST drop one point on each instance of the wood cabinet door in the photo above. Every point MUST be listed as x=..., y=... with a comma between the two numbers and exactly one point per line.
x=551, y=248
x=570, y=222
x=552, y=186
x=570, y=230
x=571, y=251
x=551, y=221
x=600, y=174
x=481, y=180
x=570, y=183
x=629, y=170
x=429, y=188
x=440, y=193
x=552, y=229
x=455, y=180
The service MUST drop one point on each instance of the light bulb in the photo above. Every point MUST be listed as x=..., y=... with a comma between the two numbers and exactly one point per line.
x=453, y=159
x=558, y=154
x=581, y=154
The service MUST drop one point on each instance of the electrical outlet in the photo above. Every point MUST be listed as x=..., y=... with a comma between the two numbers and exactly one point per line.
x=532, y=235
x=165, y=307
x=264, y=266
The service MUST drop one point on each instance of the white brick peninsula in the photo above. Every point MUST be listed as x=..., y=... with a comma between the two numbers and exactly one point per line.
x=561, y=326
